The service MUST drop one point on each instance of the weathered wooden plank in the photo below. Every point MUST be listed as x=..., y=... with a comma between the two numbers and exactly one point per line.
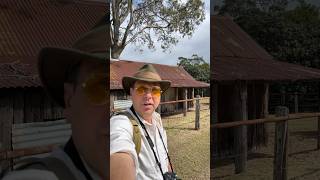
x=185, y=104
x=281, y=146
x=240, y=137
x=6, y=119
x=18, y=106
x=197, y=116
x=39, y=124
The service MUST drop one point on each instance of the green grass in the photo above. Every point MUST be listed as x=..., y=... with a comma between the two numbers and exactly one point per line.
x=189, y=149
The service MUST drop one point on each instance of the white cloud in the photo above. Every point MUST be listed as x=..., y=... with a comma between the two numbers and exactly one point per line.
x=198, y=44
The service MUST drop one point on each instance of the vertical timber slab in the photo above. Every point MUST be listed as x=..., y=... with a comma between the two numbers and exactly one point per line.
x=266, y=100
x=18, y=106
x=185, y=103
x=318, y=142
x=192, y=97
x=240, y=135
x=296, y=102
x=177, y=98
x=281, y=145
x=6, y=120
x=214, y=118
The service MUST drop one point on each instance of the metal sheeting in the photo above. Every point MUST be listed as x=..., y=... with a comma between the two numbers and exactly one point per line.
x=29, y=25
x=177, y=75
x=40, y=134
x=236, y=56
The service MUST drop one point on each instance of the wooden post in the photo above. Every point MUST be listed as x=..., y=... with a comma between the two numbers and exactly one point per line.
x=185, y=104
x=197, y=120
x=280, y=147
x=296, y=102
x=283, y=98
x=6, y=111
x=240, y=136
x=266, y=100
x=214, y=120
x=177, y=98
x=318, y=144
x=192, y=97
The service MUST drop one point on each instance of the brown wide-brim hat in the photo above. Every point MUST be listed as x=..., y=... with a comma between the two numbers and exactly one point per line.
x=146, y=73
x=54, y=63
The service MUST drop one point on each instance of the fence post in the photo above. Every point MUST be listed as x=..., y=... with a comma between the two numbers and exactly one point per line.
x=197, y=120
x=296, y=102
x=185, y=103
x=240, y=135
x=280, y=147
x=318, y=145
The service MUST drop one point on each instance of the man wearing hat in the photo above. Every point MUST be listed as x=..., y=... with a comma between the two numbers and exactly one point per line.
x=150, y=160
x=76, y=79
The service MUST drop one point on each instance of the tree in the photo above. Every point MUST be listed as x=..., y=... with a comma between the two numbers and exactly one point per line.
x=196, y=67
x=143, y=22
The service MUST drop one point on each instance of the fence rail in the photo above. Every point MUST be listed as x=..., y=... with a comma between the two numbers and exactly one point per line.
x=45, y=128
x=281, y=137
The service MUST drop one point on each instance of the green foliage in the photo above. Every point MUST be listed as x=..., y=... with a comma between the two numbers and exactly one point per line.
x=196, y=67
x=143, y=22
x=288, y=35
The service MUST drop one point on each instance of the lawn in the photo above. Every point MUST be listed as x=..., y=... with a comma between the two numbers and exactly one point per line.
x=188, y=148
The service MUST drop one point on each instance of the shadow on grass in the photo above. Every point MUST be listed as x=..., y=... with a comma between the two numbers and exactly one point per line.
x=302, y=176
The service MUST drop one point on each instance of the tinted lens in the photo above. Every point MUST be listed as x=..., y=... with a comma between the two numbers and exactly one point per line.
x=95, y=89
x=155, y=91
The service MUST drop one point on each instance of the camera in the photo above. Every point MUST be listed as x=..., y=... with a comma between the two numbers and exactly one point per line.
x=170, y=176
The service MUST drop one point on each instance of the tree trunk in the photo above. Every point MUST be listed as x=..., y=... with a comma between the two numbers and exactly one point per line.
x=116, y=52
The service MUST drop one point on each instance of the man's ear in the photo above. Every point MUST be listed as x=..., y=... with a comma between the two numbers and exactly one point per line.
x=68, y=94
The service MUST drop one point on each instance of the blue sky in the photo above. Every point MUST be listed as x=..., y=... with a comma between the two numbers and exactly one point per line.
x=198, y=44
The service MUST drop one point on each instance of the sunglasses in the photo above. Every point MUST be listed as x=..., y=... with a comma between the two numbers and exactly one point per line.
x=155, y=90
x=95, y=88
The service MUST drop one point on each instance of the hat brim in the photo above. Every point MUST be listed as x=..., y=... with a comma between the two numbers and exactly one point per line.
x=127, y=83
x=54, y=63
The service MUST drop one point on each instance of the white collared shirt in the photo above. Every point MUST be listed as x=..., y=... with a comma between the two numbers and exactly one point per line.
x=121, y=135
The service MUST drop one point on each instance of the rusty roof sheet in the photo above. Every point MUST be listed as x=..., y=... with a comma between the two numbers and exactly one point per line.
x=177, y=75
x=27, y=26
x=236, y=56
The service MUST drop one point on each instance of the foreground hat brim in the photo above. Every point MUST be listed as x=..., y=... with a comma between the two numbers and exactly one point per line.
x=127, y=83
x=53, y=65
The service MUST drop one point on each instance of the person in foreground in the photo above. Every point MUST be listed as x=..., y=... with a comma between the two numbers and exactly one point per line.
x=138, y=141
x=76, y=79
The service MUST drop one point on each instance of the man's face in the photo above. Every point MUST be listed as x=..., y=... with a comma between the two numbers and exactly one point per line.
x=145, y=102
x=88, y=120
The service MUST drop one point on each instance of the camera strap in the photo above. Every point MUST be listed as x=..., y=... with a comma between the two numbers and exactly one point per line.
x=148, y=139
x=165, y=150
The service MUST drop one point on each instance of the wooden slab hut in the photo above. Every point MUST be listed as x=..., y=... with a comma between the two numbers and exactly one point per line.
x=241, y=72
x=26, y=27
x=183, y=85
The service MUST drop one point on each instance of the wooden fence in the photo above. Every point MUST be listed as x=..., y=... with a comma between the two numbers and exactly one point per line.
x=41, y=137
x=296, y=102
x=281, y=137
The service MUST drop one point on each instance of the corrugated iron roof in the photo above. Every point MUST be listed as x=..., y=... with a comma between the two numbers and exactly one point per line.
x=236, y=56
x=177, y=75
x=27, y=26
